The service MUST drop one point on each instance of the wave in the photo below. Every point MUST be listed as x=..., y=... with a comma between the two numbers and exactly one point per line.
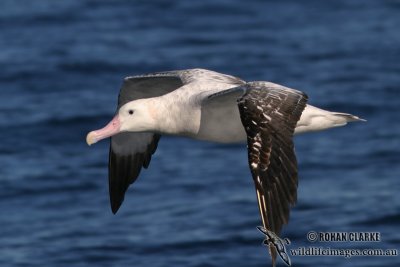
x=94, y=66
x=385, y=220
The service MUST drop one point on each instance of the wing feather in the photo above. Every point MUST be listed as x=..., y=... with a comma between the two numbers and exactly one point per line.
x=269, y=114
x=129, y=152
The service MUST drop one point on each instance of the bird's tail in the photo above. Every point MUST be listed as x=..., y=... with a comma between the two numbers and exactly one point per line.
x=343, y=118
x=315, y=119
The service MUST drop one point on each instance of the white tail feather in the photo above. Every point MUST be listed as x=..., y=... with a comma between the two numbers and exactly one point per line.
x=316, y=119
x=347, y=117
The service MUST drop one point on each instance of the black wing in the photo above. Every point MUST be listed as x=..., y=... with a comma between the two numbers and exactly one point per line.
x=130, y=151
x=269, y=113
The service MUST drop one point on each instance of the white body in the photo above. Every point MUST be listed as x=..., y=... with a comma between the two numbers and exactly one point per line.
x=312, y=119
x=184, y=112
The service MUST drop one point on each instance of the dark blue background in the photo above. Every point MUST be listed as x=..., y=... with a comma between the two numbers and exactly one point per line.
x=61, y=66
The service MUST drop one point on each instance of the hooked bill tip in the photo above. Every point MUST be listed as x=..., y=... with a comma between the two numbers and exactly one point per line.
x=91, y=138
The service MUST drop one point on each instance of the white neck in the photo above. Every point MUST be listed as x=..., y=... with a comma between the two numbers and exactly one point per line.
x=172, y=116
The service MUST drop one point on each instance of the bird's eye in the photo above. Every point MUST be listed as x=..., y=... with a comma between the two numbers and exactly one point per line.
x=130, y=112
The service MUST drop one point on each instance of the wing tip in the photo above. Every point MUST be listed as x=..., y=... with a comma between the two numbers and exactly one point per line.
x=115, y=207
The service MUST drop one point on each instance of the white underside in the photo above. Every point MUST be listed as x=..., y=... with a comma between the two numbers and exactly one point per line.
x=226, y=127
x=218, y=119
x=315, y=119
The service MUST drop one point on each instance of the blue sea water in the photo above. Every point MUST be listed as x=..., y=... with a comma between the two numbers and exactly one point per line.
x=62, y=63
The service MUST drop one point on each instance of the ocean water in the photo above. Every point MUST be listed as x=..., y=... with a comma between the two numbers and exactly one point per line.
x=62, y=63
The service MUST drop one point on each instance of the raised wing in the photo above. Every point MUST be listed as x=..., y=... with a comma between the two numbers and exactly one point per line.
x=269, y=113
x=150, y=85
x=129, y=152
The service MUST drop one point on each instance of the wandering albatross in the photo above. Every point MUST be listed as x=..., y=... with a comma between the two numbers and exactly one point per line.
x=208, y=105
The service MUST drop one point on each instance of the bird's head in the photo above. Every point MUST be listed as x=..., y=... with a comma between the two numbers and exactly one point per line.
x=134, y=116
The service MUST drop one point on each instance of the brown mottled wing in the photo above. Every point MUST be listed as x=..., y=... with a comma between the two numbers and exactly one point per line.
x=129, y=152
x=269, y=113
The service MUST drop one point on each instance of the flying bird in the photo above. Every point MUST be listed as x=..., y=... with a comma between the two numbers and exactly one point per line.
x=211, y=106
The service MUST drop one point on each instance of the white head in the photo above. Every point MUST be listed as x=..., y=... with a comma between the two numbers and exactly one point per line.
x=137, y=116
x=134, y=116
